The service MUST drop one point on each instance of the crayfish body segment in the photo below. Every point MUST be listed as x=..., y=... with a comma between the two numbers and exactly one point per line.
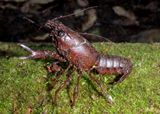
x=71, y=47
x=114, y=65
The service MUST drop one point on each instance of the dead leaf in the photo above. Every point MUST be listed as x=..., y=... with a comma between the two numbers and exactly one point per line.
x=148, y=36
x=129, y=16
x=90, y=20
x=83, y=3
x=123, y=12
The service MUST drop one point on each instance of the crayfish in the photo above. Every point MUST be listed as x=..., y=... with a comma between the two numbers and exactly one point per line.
x=81, y=56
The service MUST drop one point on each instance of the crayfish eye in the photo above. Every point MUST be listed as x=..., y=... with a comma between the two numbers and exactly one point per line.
x=61, y=33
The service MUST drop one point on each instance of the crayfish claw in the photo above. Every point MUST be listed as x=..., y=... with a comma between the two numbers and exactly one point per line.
x=33, y=53
x=26, y=47
x=25, y=57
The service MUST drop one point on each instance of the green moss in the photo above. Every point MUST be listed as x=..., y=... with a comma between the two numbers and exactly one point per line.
x=23, y=83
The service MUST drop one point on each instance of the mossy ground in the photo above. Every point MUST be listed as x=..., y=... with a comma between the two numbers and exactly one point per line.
x=23, y=83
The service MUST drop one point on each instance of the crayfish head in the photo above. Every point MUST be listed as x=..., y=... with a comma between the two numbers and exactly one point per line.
x=64, y=36
x=50, y=25
x=56, y=28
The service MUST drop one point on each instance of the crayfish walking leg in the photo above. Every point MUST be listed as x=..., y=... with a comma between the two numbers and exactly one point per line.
x=76, y=90
x=66, y=82
x=103, y=90
x=54, y=68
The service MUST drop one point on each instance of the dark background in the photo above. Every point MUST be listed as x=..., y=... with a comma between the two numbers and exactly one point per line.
x=139, y=23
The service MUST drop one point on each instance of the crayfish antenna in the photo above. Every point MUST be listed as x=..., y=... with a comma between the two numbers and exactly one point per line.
x=33, y=53
x=73, y=14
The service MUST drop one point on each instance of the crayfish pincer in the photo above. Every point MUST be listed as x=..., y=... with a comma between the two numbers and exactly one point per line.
x=81, y=56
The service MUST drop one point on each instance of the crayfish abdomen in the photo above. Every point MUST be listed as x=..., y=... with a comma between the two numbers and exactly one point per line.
x=117, y=65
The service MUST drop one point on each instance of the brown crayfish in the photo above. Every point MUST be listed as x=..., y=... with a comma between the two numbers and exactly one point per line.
x=77, y=51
